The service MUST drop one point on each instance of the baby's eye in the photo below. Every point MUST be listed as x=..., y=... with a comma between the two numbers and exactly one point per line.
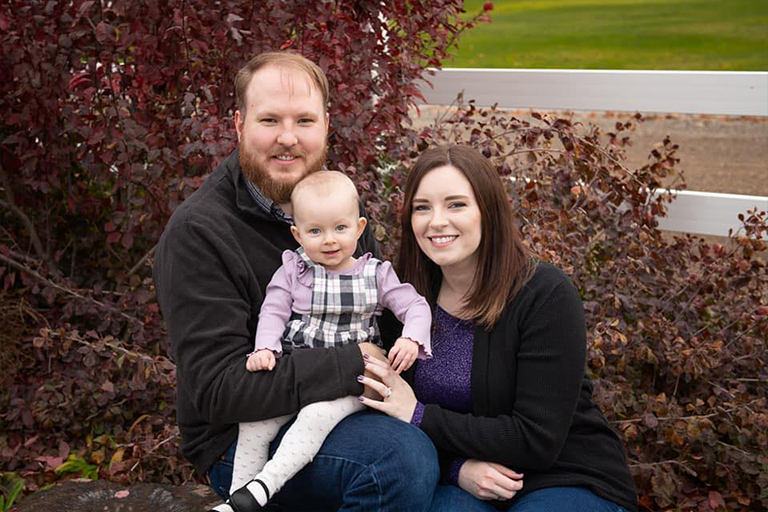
x=314, y=231
x=341, y=227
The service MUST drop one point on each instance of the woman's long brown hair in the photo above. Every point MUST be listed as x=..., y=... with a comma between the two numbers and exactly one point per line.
x=504, y=264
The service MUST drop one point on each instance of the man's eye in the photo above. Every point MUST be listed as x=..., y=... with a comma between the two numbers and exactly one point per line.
x=306, y=121
x=268, y=120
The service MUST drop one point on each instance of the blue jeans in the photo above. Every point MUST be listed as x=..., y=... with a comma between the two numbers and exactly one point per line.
x=369, y=462
x=552, y=499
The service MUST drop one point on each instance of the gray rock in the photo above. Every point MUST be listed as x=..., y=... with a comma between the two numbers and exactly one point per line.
x=102, y=496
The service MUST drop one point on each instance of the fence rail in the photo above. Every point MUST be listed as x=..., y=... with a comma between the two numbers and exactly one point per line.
x=693, y=92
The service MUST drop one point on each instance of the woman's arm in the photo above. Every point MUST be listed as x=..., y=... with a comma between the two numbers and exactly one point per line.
x=550, y=369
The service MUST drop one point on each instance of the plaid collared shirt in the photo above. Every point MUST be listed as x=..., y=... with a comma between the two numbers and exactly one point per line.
x=266, y=204
x=342, y=310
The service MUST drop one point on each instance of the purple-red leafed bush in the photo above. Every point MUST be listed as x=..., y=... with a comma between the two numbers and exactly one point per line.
x=114, y=112
x=677, y=327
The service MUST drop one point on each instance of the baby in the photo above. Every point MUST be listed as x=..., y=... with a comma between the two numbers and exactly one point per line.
x=322, y=296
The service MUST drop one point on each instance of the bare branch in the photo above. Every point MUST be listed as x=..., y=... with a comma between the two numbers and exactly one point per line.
x=66, y=290
x=141, y=262
x=28, y=225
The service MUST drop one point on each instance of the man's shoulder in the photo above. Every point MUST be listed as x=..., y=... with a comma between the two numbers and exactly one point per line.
x=215, y=198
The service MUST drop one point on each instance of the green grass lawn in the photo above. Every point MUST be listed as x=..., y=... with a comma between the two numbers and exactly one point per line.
x=618, y=34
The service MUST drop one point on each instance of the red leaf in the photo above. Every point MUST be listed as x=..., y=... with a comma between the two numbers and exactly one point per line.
x=79, y=79
x=104, y=32
x=715, y=500
x=113, y=238
x=127, y=240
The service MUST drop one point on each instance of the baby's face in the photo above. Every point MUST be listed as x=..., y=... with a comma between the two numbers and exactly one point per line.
x=328, y=228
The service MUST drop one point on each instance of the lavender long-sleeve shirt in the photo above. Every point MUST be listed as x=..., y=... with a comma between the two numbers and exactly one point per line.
x=291, y=290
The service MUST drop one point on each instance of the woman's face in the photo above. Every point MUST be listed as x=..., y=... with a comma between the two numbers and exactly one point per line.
x=446, y=219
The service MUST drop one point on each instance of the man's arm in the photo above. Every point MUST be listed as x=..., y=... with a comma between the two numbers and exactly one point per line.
x=208, y=299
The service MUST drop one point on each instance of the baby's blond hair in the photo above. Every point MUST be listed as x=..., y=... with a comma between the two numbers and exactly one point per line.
x=325, y=184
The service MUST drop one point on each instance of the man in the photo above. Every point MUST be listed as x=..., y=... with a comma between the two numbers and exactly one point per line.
x=215, y=258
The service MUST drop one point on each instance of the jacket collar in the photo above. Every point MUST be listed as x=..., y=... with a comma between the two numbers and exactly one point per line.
x=243, y=198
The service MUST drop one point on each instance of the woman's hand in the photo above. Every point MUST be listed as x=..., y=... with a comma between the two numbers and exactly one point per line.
x=489, y=481
x=399, y=400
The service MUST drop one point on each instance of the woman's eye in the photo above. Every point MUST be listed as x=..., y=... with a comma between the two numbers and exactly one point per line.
x=420, y=208
x=457, y=204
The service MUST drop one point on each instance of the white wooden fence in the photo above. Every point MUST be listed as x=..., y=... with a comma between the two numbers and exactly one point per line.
x=694, y=92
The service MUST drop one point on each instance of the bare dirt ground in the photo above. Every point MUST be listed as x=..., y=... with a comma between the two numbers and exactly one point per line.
x=727, y=154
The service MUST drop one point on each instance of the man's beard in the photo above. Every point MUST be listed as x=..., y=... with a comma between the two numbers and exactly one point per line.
x=277, y=191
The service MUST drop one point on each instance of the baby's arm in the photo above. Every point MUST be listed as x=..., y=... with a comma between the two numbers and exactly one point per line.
x=275, y=313
x=413, y=311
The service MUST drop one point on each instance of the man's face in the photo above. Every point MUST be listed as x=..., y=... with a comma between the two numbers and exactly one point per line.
x=283, y=133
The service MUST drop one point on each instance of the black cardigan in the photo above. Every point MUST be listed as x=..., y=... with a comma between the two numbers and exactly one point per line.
x=212, y=266
x=533, y=409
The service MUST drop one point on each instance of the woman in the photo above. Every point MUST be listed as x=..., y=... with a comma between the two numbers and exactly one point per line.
x=505, y=398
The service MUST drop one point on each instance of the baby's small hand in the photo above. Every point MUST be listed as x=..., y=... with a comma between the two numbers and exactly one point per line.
x=403, y=354
x=263, y=359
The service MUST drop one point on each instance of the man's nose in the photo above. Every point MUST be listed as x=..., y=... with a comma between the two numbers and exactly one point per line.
x=287, y=138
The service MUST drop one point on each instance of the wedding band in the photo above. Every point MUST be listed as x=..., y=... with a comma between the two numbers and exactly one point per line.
x=389, y=393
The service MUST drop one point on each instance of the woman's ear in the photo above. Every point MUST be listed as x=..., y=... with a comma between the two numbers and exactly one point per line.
x=361, y=223
x=296, y=234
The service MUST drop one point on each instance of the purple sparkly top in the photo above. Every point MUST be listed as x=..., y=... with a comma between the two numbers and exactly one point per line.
x=444, y=380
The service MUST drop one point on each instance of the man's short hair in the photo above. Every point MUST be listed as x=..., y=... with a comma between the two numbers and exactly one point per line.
x=284, y=58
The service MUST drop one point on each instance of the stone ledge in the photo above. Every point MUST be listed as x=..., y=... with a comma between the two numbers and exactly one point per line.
x=102, y=496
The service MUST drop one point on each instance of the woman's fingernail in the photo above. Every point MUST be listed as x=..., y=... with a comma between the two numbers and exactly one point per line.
x=359, y=377
x=366, y=356
x=360, y=398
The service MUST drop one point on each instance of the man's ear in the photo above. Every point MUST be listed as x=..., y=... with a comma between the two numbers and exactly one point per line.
x=239, y=124
x=361, y=223
x=296, y=234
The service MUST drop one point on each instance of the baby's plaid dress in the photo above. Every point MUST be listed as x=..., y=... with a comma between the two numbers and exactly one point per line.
x=342, y=309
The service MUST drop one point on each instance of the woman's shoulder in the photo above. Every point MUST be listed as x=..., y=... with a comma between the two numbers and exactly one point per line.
x=547, y=275
x=546, y=282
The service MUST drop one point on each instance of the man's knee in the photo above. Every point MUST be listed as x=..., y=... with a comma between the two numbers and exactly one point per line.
x=412, y=458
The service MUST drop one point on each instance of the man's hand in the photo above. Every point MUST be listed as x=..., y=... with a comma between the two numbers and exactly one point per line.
x=263, y=359
x=489, y=481
x=403, y=354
